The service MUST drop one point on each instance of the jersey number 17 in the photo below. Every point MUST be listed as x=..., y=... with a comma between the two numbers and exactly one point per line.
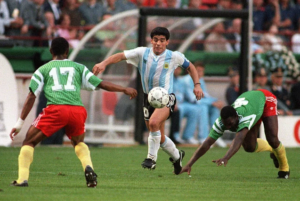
x=70, y=71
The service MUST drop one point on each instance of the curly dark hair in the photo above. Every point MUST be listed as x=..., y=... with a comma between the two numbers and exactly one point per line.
x=228, y=111
x=59, y=46
x=160, y=31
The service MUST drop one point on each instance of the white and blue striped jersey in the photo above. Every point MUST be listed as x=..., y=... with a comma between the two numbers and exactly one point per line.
x=156, y=70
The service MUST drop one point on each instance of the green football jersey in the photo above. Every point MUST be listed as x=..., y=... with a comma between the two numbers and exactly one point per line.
x=249, y=107
x=62, y=80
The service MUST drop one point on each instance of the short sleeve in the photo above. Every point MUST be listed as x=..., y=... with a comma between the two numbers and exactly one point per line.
x=36, y=83
x=133, y=56
x=217, y=129
x=89, y=80
x=182, y=60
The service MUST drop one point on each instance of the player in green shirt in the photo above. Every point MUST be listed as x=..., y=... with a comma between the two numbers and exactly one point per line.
x=61, y=80
x=244, y=117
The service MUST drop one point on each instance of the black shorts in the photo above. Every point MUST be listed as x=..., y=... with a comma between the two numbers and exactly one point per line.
x=148, y=109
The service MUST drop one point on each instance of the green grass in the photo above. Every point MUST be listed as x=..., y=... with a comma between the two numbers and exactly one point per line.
x=56, y=174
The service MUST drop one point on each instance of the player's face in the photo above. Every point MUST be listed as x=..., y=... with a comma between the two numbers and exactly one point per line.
x=159, y=44
x=231, y=123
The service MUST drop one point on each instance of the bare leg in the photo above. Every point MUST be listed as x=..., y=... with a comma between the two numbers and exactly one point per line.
x=249, y=143
x=254, y=144
x=158, y=139
x=271, y=131
x=33, y=137
x=157, y=121
x=156, y=125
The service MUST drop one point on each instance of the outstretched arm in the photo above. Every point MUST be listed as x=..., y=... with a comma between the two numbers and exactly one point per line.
x=108, y=86
x=100, y=67
x=198, y=153
x=197, y=87
x=234, y=147
x=25, y=111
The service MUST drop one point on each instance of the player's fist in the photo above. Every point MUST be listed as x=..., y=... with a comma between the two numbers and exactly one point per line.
x=130, y=92
x=98, y=68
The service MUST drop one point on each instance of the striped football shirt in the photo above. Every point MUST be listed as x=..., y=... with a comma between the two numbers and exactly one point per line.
x=156, y=70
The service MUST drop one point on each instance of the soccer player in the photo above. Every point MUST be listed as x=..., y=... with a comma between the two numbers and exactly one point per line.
x=244, y=117
x=61, y=80
x=156, y=66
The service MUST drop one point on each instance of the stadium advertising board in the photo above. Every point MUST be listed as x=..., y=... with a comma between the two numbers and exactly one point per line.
x=8, y=101
x=288, y=131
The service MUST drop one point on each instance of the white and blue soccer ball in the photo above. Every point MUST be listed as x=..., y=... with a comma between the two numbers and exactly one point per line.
x=158, y=97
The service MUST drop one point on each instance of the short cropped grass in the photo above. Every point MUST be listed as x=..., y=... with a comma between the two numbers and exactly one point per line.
x=56, y=174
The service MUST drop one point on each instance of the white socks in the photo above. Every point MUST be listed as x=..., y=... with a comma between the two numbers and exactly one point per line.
x=153, y=144
x=170, y=148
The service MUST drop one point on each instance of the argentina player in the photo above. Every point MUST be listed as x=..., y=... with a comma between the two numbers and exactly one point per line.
x=156, y=66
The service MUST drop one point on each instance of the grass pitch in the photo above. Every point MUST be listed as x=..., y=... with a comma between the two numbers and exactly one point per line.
x=56, y=174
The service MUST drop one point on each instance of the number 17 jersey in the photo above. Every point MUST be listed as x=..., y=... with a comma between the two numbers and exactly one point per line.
x=61, y=81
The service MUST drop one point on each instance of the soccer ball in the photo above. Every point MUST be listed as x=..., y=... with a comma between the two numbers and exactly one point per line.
x=158, y=97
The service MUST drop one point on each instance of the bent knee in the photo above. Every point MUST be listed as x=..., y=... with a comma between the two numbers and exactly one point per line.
x=30, y=143
x=75, y=140
x=153, y=124
x=249, y=149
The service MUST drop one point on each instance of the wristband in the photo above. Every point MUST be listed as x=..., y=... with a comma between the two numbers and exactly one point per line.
x=19, y=124
x=197, y=83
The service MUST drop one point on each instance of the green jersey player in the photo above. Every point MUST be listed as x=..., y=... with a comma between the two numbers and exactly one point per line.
x=244, y=117
x=61, y=80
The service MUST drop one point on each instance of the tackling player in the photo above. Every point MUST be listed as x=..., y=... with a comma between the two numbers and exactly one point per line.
x=244, y=117
x=61, y=80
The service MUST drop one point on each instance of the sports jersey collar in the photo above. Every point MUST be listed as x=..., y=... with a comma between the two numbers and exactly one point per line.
x=157, y=56
x=61, y=60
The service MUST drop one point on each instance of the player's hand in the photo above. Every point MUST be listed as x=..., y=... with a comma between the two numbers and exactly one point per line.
x=198, y=92
x=13, y=133
x=187, y=169
x=16, y=129
x=98, y=68
x=220, y=162
x=130, y=92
